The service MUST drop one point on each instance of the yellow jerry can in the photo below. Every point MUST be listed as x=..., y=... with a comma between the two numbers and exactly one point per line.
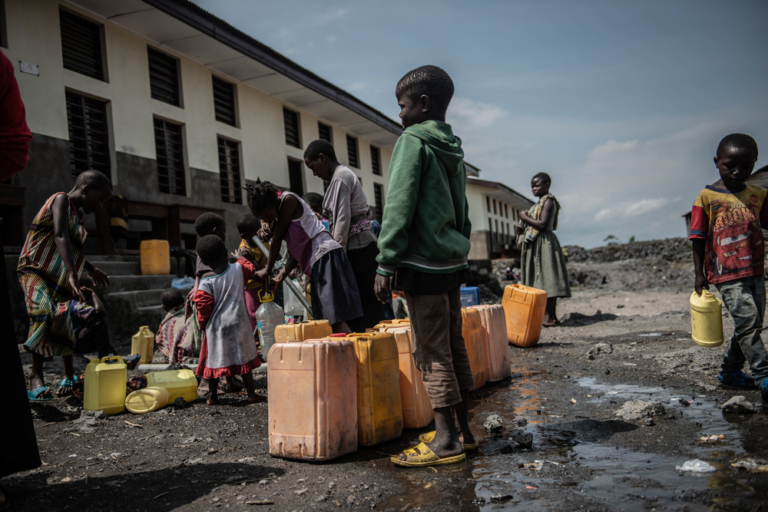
x=155, y=257
x=143, y=343
x=179, y=383
x=105, y=385
x=706, y=319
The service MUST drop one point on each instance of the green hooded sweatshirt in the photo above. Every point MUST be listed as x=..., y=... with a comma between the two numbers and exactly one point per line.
x=426, y=225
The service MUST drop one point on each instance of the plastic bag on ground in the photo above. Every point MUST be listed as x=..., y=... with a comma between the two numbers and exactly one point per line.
x=696, y=466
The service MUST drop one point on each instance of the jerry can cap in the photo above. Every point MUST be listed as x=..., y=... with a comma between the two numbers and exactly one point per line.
x=266, y=297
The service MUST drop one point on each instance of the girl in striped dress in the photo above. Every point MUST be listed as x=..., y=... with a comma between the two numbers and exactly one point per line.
x=49, y=272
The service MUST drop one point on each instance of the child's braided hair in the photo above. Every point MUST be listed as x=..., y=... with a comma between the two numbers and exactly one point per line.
x=261, y=195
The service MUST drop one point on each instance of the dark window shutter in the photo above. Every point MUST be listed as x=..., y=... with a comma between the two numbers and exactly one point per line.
x=88, y=134
x=81, y=45
x=352, y=152
x=325, y=132
x=163, y=77
x=378, y=196
x=229, y=171
x=295, y=177
x=375, y=163
x=224, y=101
x=291, y=119
x=170, y=158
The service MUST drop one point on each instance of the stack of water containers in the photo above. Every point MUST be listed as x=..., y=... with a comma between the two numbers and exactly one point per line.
x=332, y=393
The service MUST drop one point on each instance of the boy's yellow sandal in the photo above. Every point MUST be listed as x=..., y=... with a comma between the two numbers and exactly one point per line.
x=422, y=456
x=430, y=436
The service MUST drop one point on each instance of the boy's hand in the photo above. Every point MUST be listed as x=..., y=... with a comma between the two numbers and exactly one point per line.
x=277, y=280
x=519, y=229
x=261, y=275
x=87, y=292
x=100, y=279
x=381, y=289
x=701, y=283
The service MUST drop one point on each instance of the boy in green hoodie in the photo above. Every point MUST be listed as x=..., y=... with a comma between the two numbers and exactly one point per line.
x=423, y=250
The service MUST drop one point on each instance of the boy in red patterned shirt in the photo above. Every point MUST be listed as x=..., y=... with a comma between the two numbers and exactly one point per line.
x=728, y=242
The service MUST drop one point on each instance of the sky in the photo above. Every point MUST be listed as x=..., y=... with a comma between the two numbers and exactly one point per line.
x=621, y=103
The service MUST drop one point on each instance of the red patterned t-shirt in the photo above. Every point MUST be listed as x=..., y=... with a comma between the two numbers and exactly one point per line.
x=730, y=221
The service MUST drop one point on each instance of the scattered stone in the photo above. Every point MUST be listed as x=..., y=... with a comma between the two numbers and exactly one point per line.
x=245, y=460
x=523, y=439
x=179, y=403
x=263, y=482
x=496, y=498
x=260, y=502
x=600, y=348
x=191, y=440
x=320, y=499
x=494, y=424
x=649, y=422
x=707, y=387
x=607, y=371
x=351, y=499
x=634, y=410
x=301, y=492
x=522, y=422
x=212, y=451
x=738, y=404
x=506, y=449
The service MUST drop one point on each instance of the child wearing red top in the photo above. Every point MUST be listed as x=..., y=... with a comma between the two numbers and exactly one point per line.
x=726, y=222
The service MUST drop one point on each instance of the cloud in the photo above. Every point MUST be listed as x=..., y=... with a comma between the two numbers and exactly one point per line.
x=633, y=209
x=331, y=16
x=474, y=114
x=355, y=86
x=331, y=38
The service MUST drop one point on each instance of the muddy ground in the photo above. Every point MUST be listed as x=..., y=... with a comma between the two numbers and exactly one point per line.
x=584, y=457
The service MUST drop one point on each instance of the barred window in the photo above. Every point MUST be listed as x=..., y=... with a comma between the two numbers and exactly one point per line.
x=352, y=152
x=224, y=101
x=229, y=171
x=325, y=132
x=378, y=196
x=170, y=158
x=292, y=134
x=164, y=77
x=81, y=45
x=296, y=176
x=375, y=163
x=88, y=134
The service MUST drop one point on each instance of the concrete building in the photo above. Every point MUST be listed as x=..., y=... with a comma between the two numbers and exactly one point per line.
x=494, y=210
x=179, y=108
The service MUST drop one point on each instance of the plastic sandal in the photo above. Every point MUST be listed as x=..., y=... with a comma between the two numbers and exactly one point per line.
x=33, y=395
x=430, y=436
x=422, y=456
x=65, y=382
x=764, y=390
x=738, y=379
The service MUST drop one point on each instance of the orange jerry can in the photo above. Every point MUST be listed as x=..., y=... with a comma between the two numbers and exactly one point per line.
x=379, y=406
x=472, y=330
x=524, y=308
x=312, y=399
x=386, y=324
x=417, y=409
x=303, y=331
x=155, y=257
x=495, y=344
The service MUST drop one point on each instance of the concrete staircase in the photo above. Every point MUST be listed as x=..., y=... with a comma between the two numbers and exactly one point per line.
x=131, y=300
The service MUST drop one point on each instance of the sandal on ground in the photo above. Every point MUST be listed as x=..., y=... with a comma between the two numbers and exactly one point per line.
x=430, y=436
x=422, y=456
x=34, y=396
x=63, y=383
x=738, y=379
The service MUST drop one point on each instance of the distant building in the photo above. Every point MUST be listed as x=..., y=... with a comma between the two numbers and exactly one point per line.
x=494, y=210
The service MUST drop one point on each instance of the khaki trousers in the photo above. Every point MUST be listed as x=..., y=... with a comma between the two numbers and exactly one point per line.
x=438, y=346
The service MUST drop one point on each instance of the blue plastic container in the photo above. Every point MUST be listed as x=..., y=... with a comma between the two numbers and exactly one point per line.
x=470, y=296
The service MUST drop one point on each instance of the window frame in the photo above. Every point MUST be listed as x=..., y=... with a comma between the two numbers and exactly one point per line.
x=101, y=74
x=235, y=117
x=3, y=26
x=353, y=153
x=378, y=198
x=106, y=167
x=320, y=127
x=286, y=110
x=235, y=181
x=376, y=169
x=299, y=176
x=177, y=63
x=180, y=176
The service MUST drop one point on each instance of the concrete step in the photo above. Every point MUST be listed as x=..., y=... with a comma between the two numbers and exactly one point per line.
x=151, y=310
x=119, y=268
x=135, y=299
x=126, y=283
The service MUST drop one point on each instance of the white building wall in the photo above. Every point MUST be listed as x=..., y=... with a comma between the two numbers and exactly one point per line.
x=34, y=36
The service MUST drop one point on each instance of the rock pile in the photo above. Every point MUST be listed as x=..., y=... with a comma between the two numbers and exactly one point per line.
x=670, y=249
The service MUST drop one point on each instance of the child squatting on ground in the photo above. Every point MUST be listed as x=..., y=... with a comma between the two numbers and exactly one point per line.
x=174, y=337
x=729, y=252
x=51, y=263
x=423, y=249
x=310, y=246
x=228, y=348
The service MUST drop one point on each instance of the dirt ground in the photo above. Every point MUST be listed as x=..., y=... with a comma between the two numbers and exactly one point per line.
x=583, y=457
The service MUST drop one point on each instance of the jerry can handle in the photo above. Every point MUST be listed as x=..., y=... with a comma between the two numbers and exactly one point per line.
x=112, y=359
